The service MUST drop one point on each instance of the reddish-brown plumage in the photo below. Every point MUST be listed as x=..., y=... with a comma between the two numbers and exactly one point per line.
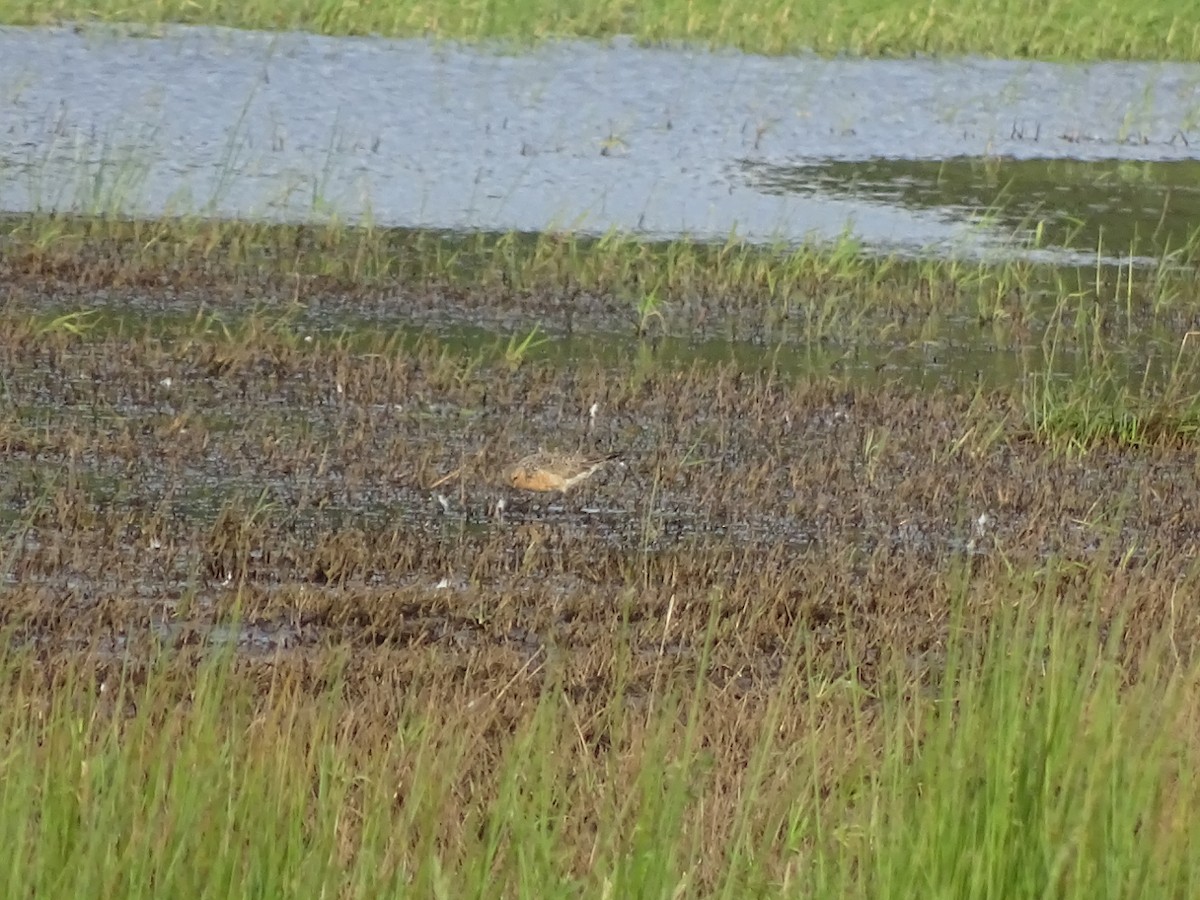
x=560, y=472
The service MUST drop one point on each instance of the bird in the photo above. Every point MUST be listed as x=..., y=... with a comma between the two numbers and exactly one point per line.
x=548, y=471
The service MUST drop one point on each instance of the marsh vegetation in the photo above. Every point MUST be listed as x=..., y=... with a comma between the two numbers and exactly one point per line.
x=820, y=635
x=890, y=592
x=1062, y=29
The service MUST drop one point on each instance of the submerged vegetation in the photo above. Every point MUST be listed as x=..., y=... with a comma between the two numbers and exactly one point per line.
x=1061, y=29
x=1094, y=353
x=805, y=293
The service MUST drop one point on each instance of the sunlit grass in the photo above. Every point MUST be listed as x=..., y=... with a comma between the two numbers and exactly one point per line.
x=1033, y=762
x=808, y=291
x=1119, y=395
x=1074, y=29
x=1101, y=375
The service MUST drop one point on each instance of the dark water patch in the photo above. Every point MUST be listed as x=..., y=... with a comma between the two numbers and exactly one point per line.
x=1135, y=211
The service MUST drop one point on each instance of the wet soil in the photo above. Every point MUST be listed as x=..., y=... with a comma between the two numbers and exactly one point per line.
x=239, y=482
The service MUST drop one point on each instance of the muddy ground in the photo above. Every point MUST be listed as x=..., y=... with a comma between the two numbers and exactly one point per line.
x=201, y=481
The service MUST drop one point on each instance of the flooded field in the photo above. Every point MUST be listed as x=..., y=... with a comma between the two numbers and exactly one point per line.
x=257, y=534
x=351, y=486
x=881, y=579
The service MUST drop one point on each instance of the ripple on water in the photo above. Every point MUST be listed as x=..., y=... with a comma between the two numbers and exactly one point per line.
x=590, y=136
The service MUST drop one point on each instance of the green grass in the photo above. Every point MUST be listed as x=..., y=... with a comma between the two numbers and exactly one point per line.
x=1046, y=781
x=1111, y=367
x=1058, y=29
x=811, y=290
x=1034, y=765
x=1107, y=403
x=1075, y=416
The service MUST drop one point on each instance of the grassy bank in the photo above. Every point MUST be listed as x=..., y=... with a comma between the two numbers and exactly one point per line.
x=1058, y=29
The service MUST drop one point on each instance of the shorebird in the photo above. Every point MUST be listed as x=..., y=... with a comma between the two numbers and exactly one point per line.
x=543, y=471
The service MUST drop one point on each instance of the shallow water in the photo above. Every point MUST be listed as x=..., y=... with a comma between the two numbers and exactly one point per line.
x=959, y=156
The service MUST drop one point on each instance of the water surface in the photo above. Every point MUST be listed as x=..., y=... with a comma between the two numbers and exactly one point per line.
x=963, y=156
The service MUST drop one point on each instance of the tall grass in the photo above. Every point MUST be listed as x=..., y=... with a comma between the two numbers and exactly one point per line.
x=1036, y=761
x=1038, y=775
x=1125, y=390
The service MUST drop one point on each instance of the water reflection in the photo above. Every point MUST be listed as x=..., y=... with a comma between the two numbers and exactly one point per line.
x=1134, y=208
